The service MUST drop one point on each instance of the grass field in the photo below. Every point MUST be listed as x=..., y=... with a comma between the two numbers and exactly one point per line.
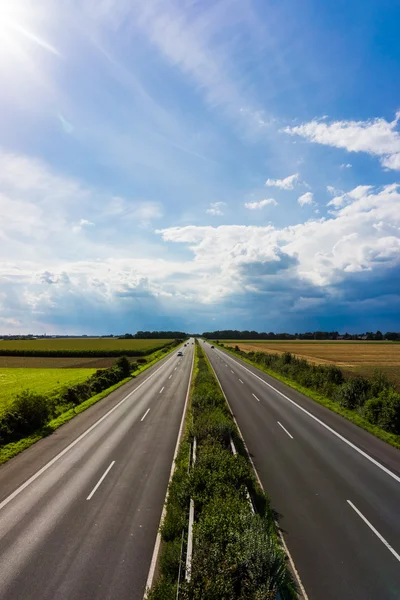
x=47, y=381
x=354, y=357
x=84, y=344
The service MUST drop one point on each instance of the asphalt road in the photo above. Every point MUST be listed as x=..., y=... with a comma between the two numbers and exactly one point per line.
x=335, y=487
x=80, y=510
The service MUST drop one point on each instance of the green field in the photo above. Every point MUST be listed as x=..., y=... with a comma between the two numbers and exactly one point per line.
x=84, y=344
x=47, y=381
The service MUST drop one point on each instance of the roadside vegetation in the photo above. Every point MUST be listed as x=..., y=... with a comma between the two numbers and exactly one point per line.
x=371, y=402
x=83, y=347
x=36, y=411
x=236, y=549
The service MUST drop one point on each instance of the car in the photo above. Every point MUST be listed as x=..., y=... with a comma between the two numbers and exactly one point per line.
x=179, y=353
x=212, y=346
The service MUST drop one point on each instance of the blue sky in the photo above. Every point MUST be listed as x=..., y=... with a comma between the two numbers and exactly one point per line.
x=199, y=165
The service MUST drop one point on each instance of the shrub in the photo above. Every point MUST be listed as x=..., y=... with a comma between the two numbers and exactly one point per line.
x=353, y=393
x=29, y=411
x=124, y=366
x=389, y=418
x=373, y=409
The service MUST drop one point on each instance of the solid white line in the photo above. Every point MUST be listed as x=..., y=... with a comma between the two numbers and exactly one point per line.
x=285, y=429
x=388, y=546
x=256, y=397
x=160, y=392
x=145, y=414
x=100, y=480
x=78, y=439
x=338, y=435
x=153, y=564
x=240, y=381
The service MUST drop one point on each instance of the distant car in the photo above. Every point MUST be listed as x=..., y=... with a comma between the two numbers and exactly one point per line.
x=179, y=353
x=212, y=346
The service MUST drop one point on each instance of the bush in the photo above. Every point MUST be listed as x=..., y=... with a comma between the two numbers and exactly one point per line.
x=123, y=366
x=373, y=410
x=353, y=393
x=389, y=418
x=28, y=412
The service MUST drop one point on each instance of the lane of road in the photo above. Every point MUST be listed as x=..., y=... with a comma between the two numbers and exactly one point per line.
x=339, y=508
x=85, y=526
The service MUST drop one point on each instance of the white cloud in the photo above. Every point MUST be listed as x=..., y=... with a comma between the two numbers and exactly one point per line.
x=376, y=137
x=321, y=252
x=284, y=184
x=306, y=198
x=216, y=209
x=81, y=224
x=347, y=198
x=261, y=204
x=346, y=166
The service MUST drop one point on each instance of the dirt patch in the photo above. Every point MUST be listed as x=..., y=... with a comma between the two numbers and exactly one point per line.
x=37, y=362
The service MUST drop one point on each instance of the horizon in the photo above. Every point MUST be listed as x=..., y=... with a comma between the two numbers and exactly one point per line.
x=170, y=166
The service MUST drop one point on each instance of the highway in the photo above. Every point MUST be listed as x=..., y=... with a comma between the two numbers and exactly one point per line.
x=80, y=510
x=335, y=487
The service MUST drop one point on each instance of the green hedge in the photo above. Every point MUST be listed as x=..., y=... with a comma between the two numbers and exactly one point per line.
x=237, y=554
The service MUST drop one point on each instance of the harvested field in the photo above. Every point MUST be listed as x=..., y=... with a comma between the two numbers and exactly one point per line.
x=46, y=381
x=354, y=357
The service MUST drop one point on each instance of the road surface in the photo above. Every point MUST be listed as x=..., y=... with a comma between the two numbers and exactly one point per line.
x=335, y=486
x=85, y=526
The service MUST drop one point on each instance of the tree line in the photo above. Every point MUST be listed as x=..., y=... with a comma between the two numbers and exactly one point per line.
x=233, y=334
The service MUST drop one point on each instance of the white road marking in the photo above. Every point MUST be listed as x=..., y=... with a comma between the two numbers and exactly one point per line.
x=338, y=435
x=78, y=439
x=145, y=414
x=170, y=377
x=232, y=371
x=388, y=546
x=100, y=480
x=160, y=392
x=240, y=381
x=175, y=368
x=256, y=397
x=286, y=431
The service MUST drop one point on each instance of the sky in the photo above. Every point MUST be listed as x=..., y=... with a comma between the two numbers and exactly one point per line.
x=199, y=165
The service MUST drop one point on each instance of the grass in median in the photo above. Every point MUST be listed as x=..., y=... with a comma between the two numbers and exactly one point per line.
x=237, y=554
x=371, y=403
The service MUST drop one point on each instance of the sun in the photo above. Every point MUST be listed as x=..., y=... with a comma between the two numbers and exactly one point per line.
x=19, y=29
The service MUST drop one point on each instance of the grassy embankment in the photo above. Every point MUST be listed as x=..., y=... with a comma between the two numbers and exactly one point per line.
x=370, y=402
x=236, y=551
x=48, y=399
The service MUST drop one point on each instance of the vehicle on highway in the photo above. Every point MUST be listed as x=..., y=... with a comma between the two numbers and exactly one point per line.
x=212, y=346
x=179, y=353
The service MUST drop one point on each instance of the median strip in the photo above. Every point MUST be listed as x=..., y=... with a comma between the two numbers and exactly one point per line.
x=232, y=552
